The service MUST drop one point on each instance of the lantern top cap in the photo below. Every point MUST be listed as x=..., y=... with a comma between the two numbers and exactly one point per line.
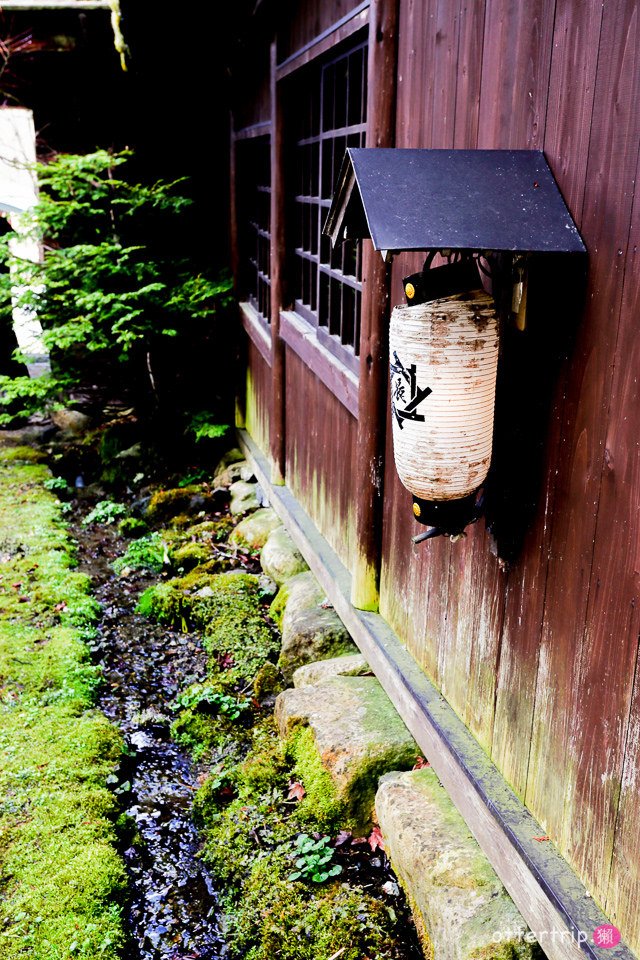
x=501, y=200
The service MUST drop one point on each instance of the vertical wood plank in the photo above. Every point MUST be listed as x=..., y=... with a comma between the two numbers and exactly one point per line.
x=605, y=225
x=372, y=393
x=568, y=124
x=277, y=255
x=515, y=77
x=610, y=646
x=623, y=895
x=469, y=73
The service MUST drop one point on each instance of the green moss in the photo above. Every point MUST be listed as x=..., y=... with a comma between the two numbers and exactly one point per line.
x=277, y=918
x=268, y=681
x=212, y=530
x=22, y=454
x=277, y=608
x=321, y=803
x=181, y=500
x=132, y=527
x=61, y=877
x=190, y=555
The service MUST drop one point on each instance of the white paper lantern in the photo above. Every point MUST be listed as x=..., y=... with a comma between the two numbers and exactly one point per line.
x=444, y=358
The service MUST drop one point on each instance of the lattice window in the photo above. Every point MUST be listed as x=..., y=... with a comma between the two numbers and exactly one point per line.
x=328, y=283
x=254, y=220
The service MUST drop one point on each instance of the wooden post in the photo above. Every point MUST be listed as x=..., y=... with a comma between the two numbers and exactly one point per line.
x=277, y=253
x=240, y=351
x=374, y=348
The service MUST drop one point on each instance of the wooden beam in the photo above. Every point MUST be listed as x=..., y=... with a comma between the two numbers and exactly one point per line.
x=257, y=330
x=548, y=894
x=277, y=257
x=302, y=339
x=353, y=21
x=374, y=349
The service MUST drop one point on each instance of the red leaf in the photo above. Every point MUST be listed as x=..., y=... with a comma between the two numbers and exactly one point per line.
x=296, y=791
x=420, y=763
x=375, y=839
x=541, y=839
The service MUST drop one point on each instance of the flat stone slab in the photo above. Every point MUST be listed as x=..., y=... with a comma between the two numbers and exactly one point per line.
x=280, y=559
x=311, y=629
x=357, y=732
x=244, y=497
x=255, y=529
x=352, y=665
x=461, y=909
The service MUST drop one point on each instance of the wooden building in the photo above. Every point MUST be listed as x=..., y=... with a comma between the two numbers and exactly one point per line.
x=512, y=654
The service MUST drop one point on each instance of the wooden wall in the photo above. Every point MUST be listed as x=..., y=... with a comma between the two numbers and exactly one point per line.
x=320, y=445
x=539, y=656
x=258, y=396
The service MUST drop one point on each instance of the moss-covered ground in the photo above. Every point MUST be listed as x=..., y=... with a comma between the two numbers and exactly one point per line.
x=61, y=880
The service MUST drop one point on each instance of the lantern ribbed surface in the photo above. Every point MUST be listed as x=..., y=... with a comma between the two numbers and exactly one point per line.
x=444, y=359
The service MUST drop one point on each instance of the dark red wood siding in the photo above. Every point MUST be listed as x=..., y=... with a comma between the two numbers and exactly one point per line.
x=539, y=657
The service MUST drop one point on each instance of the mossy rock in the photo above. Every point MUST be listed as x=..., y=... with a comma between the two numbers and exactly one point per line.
x=190, y=555
x=311, y=629
x=456, y=897
x=278, y=605
x=280, y=559
x=244, y=497
x=234, y=455
x=190, y=500
x=351, y=665
x=241, y=470
x=211, y=531
x=268, y=681
x=357, y=734
x=253, y=531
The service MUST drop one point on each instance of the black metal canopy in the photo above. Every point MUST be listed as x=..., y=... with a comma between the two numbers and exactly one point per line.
x=502, y=200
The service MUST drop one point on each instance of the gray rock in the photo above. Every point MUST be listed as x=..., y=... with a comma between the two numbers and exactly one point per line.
x=242, y=470
x=459, y=904
x=311, y=630
x=353, y=665
x=254, y=530
x=243, y=497
x=280, y=558
x=231, y=456
x=71, y=422
x=358, y=735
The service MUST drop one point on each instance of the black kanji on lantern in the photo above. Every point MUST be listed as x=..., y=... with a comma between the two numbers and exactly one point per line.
x=401, y=378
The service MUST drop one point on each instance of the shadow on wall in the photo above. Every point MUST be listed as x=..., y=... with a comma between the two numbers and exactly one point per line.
x=529, y=375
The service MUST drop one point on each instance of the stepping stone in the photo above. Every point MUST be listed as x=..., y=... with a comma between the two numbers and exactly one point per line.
x=358, y=735
x=280, y=559
x=311, y=629
x=461, y=908
x=353, y=665
x=241, y=470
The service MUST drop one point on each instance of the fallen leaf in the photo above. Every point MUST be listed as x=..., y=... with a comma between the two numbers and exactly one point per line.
x=541, y=839
x=59, y=607
x=296, y=791
x=375, y=839
x=420, y=763
x=343, y=837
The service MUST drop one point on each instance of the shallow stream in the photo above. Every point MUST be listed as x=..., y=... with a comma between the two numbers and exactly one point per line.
x=173, y=911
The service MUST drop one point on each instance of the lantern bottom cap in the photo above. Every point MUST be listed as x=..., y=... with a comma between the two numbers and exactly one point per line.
x=449, y=516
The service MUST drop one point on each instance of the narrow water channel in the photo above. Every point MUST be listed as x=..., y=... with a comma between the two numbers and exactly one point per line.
x=173, y=910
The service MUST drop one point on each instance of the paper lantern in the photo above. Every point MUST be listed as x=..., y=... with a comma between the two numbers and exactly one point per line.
x=443, y=364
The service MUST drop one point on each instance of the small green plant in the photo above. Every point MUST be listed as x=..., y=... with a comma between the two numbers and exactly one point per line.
x=146, y=553
x=206, y=698
x=105, y=511
x=196, y=476
x=202, y=427
x=58, y=485
x=313, y=859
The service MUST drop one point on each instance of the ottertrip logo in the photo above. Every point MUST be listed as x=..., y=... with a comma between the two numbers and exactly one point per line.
x=406, y=395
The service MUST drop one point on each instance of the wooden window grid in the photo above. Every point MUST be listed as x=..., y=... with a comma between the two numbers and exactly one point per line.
x=254, y=209
x=328, y=283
